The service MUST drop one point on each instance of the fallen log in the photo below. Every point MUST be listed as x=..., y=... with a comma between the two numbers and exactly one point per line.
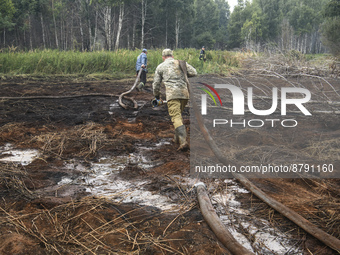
x=214, y=222
x=303, y=223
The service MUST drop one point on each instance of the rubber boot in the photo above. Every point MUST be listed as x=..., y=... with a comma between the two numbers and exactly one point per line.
x=176, y=139
x=140, y=86
x=182, y=138
x=147, y=89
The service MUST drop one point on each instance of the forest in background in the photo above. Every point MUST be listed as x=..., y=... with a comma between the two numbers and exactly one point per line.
x=308, y=26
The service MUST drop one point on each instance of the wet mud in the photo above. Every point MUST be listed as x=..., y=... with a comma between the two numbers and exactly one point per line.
x=89, y=177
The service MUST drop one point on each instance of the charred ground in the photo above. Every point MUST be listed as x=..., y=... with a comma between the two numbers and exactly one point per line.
x=40, y=216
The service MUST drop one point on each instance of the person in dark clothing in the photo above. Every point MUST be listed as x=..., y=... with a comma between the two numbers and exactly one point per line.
x=202, y=54
x=142, y=61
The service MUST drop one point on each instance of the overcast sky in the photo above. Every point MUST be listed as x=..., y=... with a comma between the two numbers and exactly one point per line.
x=232, y=3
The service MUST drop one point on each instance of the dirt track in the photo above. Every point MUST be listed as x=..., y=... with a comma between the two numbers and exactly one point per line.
x=52, y=205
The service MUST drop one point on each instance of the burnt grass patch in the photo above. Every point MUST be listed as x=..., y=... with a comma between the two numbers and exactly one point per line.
x=39, y=217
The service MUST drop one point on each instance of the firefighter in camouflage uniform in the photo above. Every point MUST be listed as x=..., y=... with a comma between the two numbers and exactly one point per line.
x=177, y=95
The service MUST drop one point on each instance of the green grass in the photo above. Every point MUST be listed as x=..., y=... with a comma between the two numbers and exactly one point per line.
x=115, y=63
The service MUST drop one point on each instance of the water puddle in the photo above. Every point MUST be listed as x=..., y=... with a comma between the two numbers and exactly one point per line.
x=114, y=107
x=102, y=179
x=131, y=117
x=9, y=154
x=127, y=191
x=266, y=239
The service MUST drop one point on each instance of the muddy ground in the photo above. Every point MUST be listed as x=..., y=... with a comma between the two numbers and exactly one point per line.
x=46, y=209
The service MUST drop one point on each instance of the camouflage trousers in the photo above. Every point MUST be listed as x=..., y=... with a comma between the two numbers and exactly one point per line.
x=175, y=108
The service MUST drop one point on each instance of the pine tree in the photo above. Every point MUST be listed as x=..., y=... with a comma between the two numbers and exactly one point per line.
x=7, y=11
x=331, y=27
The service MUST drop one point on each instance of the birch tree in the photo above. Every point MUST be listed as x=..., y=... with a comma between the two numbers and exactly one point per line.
x=120, y=24
x=55, y=24
x=107, y=17
x=85, y=24
x=144, y=10
x=183, y=12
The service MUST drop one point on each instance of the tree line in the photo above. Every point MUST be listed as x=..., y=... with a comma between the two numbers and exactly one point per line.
x=282, y=25
x=112, y=24
x=89, y=25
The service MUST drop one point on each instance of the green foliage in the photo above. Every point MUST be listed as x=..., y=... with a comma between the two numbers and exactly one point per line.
x=303, y=19
x=92, y=24
x=113, y=63
x=235, y=25
x=221, y=35
x=7, y=11
x=7, y=8
x=206, y=39
x=206, y=22
x=253, y=29
x=169, y=14
x=263, y=20
x=332, y=9
x=331, y=35
x=271, y=16
x=295, y=55
x=218, y=61
x=331, y=27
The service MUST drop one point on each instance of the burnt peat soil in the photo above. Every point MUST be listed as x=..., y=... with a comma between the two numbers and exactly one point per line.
x=51, y=206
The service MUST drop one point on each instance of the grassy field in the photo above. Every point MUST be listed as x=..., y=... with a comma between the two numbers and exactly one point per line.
x=115, y=63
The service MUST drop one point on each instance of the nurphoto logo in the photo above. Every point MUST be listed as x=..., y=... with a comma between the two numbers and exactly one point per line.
x=286, y=98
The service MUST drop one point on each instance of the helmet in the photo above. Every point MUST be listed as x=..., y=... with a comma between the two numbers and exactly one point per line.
x=144, y=50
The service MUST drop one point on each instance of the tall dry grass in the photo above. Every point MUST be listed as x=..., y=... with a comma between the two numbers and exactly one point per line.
x=49, y=62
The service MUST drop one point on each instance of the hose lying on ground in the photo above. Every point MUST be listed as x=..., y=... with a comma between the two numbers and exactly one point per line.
x=135, y=105
x=56, y=97
x=310, y=228
x=210, y=216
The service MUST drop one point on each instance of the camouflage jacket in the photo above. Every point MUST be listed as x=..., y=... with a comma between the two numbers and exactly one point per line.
x=170, y=73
